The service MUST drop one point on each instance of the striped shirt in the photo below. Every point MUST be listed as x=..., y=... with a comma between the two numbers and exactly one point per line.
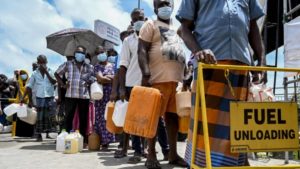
x=79, y=79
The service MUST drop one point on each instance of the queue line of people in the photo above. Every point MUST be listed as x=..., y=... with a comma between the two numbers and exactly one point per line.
x=152, y=55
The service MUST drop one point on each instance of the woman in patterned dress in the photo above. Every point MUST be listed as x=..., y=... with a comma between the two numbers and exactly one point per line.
x=104, y=72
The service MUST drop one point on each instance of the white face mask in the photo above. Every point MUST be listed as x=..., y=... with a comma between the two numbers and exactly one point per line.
x=24, y=77
x=79, y=57
x=165, y=12
x=138, y=25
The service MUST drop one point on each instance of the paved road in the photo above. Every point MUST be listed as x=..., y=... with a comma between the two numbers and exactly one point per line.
x=22, y=153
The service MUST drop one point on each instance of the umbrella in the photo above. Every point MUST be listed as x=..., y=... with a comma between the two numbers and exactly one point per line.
x=65, y=41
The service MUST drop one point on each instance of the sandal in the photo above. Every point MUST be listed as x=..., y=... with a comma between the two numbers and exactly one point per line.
x=135, y=159
x=152, y=164
x=179, y=162
x=120, y=154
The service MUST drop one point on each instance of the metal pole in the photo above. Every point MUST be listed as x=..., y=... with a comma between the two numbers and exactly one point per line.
x=286, y=161
x=293, y=10
x=139, y=4
x=285, y=85
x=284, y=10
x=295, y=90
x=277, y=45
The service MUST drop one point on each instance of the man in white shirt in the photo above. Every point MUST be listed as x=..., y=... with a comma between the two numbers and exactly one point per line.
x=130, y=75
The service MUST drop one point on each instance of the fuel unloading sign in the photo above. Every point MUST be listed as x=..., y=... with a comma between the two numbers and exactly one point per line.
x=263, y=126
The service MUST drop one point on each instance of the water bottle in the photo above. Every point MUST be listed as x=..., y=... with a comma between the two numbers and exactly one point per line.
x=71, y=143
x=60, y=141
x=80, y=140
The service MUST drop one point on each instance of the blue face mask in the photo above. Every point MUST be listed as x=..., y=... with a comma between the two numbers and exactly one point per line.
x=138, y=25
x=24, y=77
x=102, y=57
x=79, y=57
x=111, y=59
x=165, y=12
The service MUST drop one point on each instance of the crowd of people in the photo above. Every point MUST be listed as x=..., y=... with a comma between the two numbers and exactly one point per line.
x=152, y=55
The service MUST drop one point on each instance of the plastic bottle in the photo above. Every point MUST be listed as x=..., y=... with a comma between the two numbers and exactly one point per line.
x=60, y=141
x=94, y=142
x=71, y=143
x=80, y=140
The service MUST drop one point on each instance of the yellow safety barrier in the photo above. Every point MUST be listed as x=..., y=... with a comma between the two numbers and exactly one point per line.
x=200, y=90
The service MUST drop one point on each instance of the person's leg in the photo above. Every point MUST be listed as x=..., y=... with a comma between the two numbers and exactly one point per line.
x=120, y=138
x=70, y=111
x=151, y=158
x=137, y=146
x=171, y=119
x=144, y=147
x=47, y=117
x=40, y=119
x=123, y=152
x=162, y=138
x=83, y=109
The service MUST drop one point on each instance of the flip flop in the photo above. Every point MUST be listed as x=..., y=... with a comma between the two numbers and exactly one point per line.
x=179, y=162
x=120, y=154
x=152, y=164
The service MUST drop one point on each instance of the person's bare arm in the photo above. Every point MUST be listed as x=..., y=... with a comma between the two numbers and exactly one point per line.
x=102, y=79
x=122, y=79
x=205, y=55
x=143, y=58
x=256, y=44
x=115, y=84
x=28, y=91
x=187, y=35
x=60, y=81
x=44, y=70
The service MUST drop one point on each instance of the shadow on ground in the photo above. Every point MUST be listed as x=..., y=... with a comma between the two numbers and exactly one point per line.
x=43, y=146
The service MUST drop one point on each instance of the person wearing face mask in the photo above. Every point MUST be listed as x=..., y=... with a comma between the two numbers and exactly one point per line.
x=61, y=92
x=22, y=129
x=79, y=78
x=162, y=62
x=104, y=71
x=42, y=81
x=113, y=58
x=130, y=75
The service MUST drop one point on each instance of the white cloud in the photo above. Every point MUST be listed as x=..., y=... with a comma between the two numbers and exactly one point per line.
x=23, y=28
x=25, y=24
x=86, y=12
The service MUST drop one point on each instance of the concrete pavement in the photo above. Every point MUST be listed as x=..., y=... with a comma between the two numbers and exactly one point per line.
x=24, y=153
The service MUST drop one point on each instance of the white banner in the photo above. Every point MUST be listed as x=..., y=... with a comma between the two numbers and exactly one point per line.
x=291, y=44
x=107, y=32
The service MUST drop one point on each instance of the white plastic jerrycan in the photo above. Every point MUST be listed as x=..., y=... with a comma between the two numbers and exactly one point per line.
x=183, y=103
x=71, y=143
x=80, y=140
x=60, y=141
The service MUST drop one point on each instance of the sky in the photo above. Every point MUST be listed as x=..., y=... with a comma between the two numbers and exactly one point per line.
x=25, y=24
